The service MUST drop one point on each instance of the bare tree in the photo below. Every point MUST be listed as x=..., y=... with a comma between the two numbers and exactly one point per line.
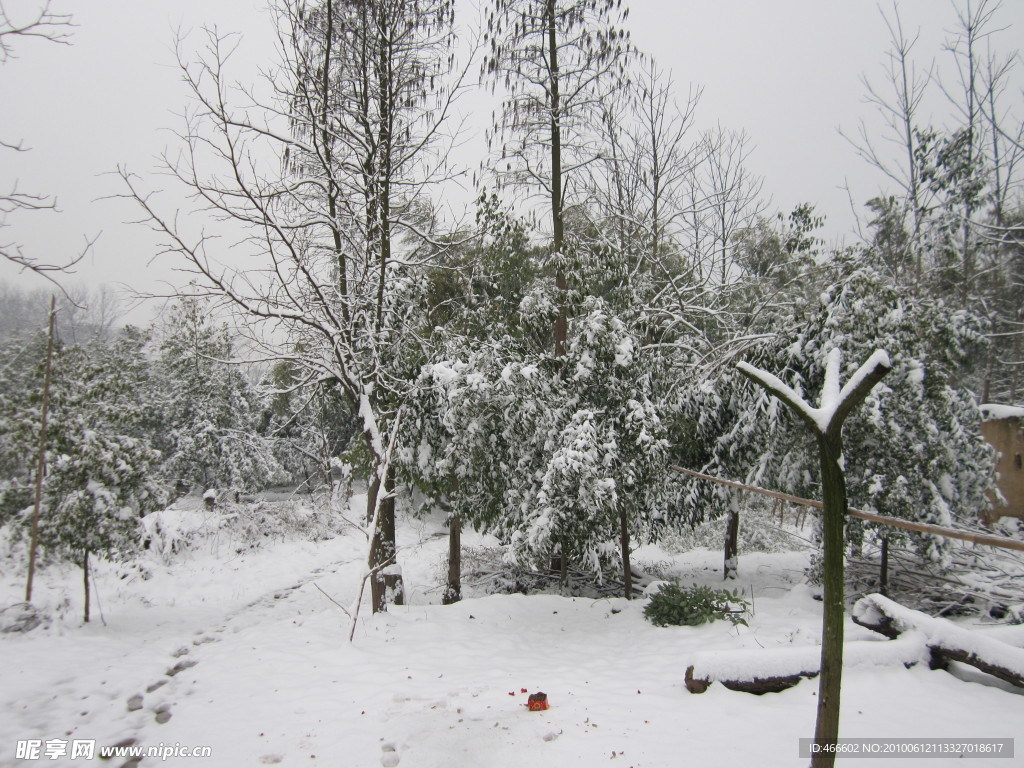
x=732, y=192
x=990, y=153
x=899, y=109
x=45, y=24
x=636, y=186
x=41, y=22
x=333, y=239
x=83, y=314
x=651, y=210
x=974, y=26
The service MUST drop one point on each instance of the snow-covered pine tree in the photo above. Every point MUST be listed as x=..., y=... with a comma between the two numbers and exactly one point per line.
x=209, y=414
x=602, y=483
x=20, y=381
x=100, y=467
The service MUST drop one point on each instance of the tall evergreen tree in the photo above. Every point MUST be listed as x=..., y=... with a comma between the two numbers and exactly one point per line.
x=209, y=415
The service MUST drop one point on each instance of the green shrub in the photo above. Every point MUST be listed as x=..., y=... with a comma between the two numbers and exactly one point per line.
x=673, y=606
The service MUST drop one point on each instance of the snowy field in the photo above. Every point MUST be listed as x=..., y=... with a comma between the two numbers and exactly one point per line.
x=240, y=651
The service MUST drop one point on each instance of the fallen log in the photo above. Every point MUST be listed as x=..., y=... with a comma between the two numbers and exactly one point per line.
x=773, y=670
x=946, y=641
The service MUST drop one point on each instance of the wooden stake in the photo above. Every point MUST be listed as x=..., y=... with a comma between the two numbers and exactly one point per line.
x=85, y=580
x=883, y=570
x=627, y=570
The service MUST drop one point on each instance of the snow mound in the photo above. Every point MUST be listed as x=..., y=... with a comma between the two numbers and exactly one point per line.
x=172, y=530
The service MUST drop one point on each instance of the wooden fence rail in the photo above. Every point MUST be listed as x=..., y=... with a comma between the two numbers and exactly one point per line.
x=937, y=530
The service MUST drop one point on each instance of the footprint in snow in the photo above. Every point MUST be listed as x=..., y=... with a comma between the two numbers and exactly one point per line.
x=181, y=666
x=389, y=757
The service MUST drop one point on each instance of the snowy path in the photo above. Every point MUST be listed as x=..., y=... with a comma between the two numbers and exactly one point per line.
x=80, y=684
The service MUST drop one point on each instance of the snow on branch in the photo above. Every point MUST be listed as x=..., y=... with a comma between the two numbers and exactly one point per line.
x=836, y=402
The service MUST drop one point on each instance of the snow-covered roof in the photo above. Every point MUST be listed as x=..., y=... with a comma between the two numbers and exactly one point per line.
x=994, y=411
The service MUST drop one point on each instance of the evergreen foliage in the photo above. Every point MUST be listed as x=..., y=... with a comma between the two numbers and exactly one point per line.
x=210, y=415
x=676, y=606
x=913, y=450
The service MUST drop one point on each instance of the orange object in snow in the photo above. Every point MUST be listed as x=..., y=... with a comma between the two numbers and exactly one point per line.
x=538, y=702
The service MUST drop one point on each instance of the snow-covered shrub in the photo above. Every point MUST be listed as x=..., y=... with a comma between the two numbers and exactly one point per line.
x=262, y=523
x=488, y=571
x=21, y=618
x=173, y=530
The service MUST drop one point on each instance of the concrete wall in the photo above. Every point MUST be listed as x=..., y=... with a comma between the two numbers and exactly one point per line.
x=1006, y=435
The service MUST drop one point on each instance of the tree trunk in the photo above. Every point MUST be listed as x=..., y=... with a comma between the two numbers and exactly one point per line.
x=557, y=221
x=392, y=579
x=732, y=542
x=769, y=670
x=375, y=562
x=85, y=579
x=627, y=573
x=755, y=685
x=383, y=582
x=453, y=589
x=563, y=564
x=833, y=489
x=41, y=457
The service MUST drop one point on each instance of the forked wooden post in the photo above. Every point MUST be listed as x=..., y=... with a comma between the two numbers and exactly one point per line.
x=826, y=422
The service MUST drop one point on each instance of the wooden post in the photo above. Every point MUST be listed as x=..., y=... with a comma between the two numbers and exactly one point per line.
x=826, y=422
x=85, y=579
x=41, y=457
x=833, y=491
x=731, y=549
x=883, y=571
x=627, y=572
x=453, y=589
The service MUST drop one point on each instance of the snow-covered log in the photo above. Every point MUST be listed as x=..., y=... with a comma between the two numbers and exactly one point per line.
x=772, y=670
x=946, y=641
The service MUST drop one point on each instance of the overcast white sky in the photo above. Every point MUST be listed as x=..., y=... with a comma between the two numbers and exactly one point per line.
x=786, y=71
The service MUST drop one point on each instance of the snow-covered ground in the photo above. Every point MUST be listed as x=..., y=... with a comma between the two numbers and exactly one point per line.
x=263, y=672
